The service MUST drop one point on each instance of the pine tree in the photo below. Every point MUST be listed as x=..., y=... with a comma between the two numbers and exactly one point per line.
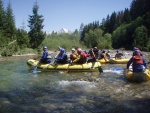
x=35, y=24
x=2, y=16
x=81, y=29
x=9, y=27
x=22, y=38
x=112, y=22
x=126, y=16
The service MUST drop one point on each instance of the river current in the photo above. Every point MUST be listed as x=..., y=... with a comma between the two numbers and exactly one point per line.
x=22, y=91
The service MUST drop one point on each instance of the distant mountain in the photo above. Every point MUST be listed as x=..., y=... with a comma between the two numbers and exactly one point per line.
x=64, y=30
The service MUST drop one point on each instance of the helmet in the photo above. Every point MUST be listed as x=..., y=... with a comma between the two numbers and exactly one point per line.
x=79, y=50
x=117, y=51
x=136, y=51
x=73, y=49
x=62, y=50
x=135, y=48
x=44, y=47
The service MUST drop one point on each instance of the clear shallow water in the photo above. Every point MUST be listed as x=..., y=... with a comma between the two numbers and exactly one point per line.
x=61, y=92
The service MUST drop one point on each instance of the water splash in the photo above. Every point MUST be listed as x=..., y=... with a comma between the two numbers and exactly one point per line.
x=120, y=72
x=79, y=83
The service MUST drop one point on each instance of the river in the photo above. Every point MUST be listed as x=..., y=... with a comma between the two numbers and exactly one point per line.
x=22, y=91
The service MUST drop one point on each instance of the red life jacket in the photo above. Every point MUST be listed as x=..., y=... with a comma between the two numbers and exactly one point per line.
x=137, y=59
x=83, y=57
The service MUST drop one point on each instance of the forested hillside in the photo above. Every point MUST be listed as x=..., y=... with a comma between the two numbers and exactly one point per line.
x=126, y=28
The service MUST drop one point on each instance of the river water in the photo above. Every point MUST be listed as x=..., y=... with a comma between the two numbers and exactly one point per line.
x=22, y=91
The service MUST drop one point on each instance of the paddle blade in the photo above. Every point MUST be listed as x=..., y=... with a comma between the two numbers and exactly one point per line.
x=117, y=68
x=35, y=70
x=100, y=69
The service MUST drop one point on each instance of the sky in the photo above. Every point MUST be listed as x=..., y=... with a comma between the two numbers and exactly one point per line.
x=69, y=14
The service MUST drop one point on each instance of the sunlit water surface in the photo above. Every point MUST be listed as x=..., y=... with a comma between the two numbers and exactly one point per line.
x=74, y=92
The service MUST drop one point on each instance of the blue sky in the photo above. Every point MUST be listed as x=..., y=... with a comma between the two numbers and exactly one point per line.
x=67, y=14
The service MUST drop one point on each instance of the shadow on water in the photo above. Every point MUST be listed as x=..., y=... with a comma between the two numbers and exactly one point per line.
x=61, y=92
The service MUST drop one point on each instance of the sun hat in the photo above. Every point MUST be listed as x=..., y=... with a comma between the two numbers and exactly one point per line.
x=73, y=49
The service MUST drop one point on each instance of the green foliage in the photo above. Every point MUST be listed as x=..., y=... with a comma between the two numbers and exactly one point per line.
x=2, y=41
x=122, y=36
x=2, y=17
x=87, y=28
x=139, y=8
x=126, y=16
x=105, y=42
x=7, y=31
x=9, y=25
x=35, y=24
x=27, y=51
x=93, y=37
x=141, y=39
x=22, y=39
x=10, y=49
x=119, y=36
x=123, y=29
x=64, y=40
x=108, y=40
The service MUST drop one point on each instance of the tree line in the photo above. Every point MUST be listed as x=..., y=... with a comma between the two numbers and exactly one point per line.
x=124, y=29
x=12, y=39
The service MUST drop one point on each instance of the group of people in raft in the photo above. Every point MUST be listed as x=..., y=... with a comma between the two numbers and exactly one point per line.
x=79, y=56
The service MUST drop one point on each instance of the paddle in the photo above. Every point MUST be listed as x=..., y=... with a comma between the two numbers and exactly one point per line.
x=52, y=62
x=68, y=66
x=117, y=68
x=35, y=68
x=99, y=67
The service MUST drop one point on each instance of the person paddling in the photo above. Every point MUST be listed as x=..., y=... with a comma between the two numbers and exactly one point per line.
x=102, y=55
x=118, y=55
x=81, y=57
x=61, y=57
x=45, y=56
x=73, y=54
x=139, y=64
x=93, y=54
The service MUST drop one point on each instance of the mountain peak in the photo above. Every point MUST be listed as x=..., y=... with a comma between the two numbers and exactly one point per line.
x=64, y=30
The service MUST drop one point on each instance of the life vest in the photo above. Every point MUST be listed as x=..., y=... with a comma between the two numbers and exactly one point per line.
x=82, y=57
x=137, y=59
x=73, y=56
x=62, y=58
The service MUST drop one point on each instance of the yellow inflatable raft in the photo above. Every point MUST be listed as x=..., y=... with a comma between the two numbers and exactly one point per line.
x=114, y=61
x=91, y=66
x=103, y=61
x=118, y=61
x=138, y=76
